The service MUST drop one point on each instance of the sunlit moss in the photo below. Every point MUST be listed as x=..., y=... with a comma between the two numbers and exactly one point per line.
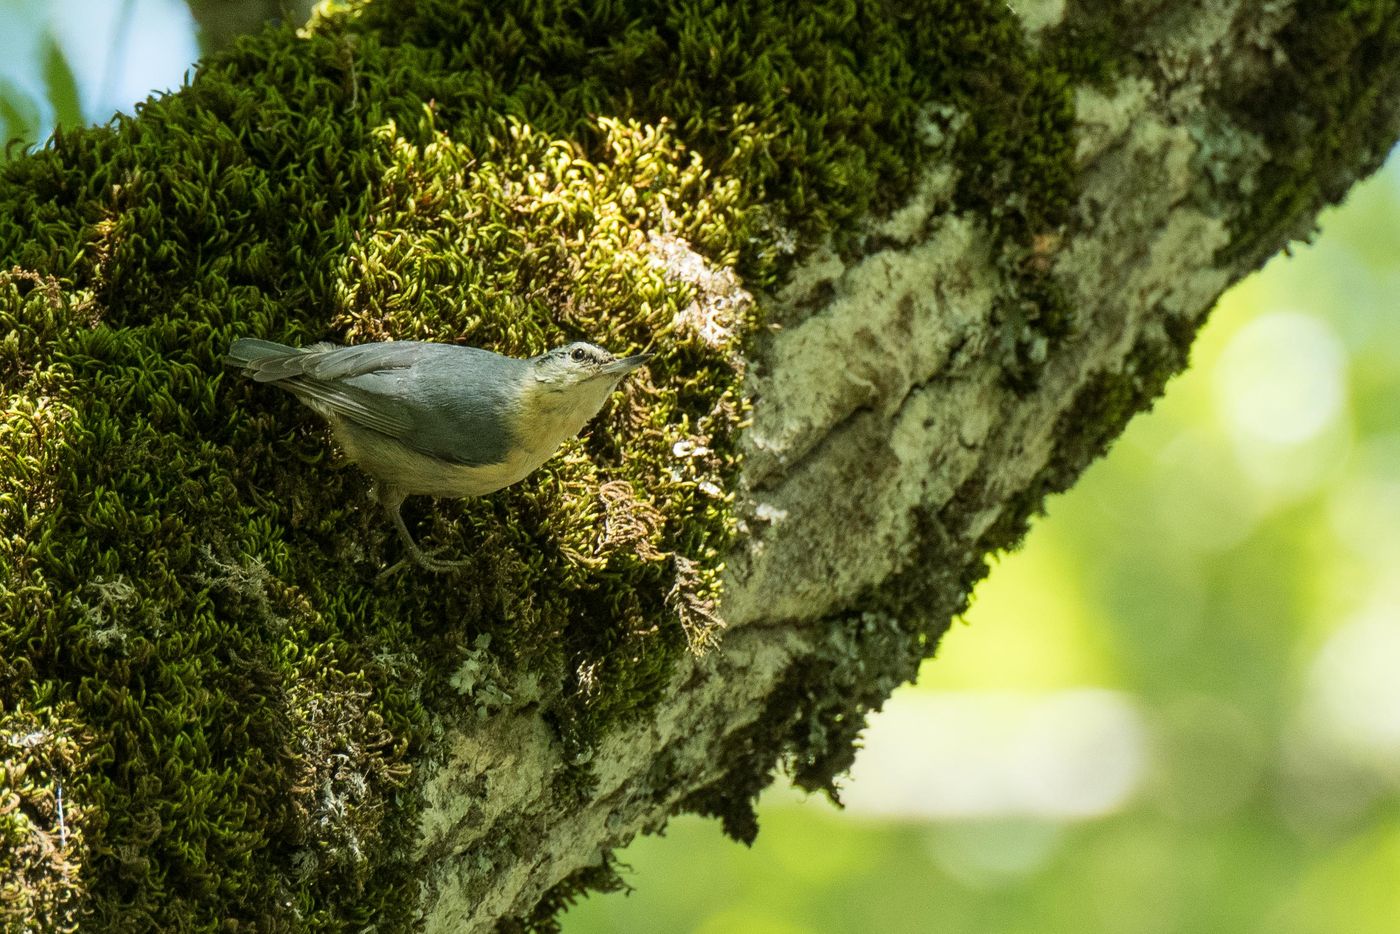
x=190, y=605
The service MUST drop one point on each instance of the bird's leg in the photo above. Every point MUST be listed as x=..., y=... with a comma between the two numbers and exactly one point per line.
x=392, y=498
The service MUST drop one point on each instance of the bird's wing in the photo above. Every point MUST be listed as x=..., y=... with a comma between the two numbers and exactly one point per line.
x=457, y=404
x=387, y=415
x=331, y=363
x=318, y=376
x=446, y=401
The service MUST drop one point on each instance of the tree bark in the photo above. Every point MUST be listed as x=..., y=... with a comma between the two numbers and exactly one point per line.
x=888, y=454
x=922, y=376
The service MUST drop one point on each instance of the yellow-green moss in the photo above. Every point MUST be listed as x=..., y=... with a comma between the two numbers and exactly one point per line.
x=189, y=612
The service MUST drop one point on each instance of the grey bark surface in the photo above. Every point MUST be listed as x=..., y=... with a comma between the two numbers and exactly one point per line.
x=886, y=443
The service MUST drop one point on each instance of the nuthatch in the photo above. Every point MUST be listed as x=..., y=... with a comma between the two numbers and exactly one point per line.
x=441, y=419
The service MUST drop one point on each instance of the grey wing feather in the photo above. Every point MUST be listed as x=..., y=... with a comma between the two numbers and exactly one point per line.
x=269, y=362
x=249, y=352
x=457, y=403
x=437, y=409
x=365, y=409
x=346, y=362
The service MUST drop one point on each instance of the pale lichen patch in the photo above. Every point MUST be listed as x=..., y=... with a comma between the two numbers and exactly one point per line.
x=719, y=304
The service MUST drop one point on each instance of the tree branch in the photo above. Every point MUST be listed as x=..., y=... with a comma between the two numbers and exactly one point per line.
x=911, y=271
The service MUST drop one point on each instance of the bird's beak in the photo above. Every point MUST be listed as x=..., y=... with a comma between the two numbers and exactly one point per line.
x=625, y=365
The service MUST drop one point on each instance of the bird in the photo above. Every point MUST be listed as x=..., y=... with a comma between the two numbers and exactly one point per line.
x=436, y=419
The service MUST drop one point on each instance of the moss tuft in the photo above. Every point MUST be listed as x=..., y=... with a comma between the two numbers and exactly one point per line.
x=1100, y=412
x=544, y=919
x=188, y=612
x=1317, y=115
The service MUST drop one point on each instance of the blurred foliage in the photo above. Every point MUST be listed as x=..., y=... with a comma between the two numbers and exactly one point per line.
x=27, y=116
x=23, y=117
x=19, y=117
x=1229, y=570
x=61, y=86
x=221, y=21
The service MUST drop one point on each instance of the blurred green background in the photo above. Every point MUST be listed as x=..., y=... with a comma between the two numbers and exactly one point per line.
x=1175, y=709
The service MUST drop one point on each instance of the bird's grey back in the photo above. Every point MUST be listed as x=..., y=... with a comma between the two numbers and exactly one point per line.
x=447, y=401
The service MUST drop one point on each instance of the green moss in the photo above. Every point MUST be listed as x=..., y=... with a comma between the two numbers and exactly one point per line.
x=816, y=711
x=1101, y=410
x=544, y=919
x=1092, y=42
x=1318, y=116
x=189, y=607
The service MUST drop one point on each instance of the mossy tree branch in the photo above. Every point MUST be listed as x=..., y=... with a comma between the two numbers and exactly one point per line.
x=909, y=271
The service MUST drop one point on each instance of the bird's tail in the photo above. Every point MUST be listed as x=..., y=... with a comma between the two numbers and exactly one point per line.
x=267, y=361
x=247, y=351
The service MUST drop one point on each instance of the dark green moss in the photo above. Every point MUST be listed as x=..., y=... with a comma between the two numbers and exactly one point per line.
x=1092, y=43
x=545, y=918
x=749, y=755
x=813, y=717
x=1318, y=115
x=1016, y=156
x=189, y=605
x=1102, y=408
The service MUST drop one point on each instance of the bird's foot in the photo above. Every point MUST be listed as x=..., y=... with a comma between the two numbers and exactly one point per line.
x=416, y=554
x=428, y=562
x=424, y=560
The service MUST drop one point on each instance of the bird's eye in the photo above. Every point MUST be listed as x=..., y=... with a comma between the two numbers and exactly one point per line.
x=578, y=354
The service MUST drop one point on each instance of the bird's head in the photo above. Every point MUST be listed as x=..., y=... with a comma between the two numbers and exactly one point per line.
x=581, y=363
